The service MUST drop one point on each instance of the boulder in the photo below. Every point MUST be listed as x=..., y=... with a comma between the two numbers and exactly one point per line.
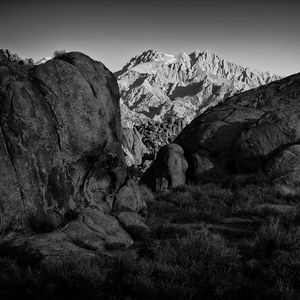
x=203, y=166
x=62, y=167
x=91, y=231
x=60, y=137
x=284, y=167
x=168, y=170
x=130, y=198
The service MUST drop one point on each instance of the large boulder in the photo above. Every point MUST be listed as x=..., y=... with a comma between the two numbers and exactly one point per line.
x=246, y=131
x=284, y=167
x=168, y=170
x=60, y=138
x=90, y=233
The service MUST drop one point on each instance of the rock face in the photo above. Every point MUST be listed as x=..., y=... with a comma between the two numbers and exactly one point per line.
x=255, y=130
x=6, y=55
x=168, y=170
x=61, y=152
x=130, y=198
x=60, y=136
x=156, y=86
x=284, y=167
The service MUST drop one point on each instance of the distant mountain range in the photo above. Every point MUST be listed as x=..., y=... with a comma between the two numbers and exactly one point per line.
x=157, y=86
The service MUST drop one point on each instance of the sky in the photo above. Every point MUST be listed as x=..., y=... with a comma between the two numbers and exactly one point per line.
x=263, y=35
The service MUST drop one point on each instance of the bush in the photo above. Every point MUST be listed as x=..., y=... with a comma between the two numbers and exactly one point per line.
x=194, y=267
x=196, y=203
x=273, y=261
x=236, y=182
x=274, y=237
x=58, y=52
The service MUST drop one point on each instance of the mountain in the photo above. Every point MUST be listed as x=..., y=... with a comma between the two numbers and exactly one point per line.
x=156, y=85
x=43, y=60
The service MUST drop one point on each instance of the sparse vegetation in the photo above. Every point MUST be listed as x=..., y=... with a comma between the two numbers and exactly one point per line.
x=58, y=52
x=184, y=258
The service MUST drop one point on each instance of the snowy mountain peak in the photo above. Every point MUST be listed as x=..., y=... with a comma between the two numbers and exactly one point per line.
x=156, y=85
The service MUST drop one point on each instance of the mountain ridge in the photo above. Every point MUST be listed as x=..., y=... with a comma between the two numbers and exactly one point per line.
x=156, y=85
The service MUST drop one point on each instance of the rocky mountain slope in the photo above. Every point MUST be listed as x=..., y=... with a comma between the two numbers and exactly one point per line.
x=255, y=131
x=156, y=86
x=61, y=159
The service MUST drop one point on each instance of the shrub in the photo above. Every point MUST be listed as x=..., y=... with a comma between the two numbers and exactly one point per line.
x=276, y=236
x=196, y=203
x=273, y=261
x=58, y=52
x=236, y=182
x=194, y=267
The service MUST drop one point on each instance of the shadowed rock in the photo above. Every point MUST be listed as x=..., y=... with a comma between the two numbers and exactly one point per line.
x=61, y=152
x=168, y=170
x=60, y=135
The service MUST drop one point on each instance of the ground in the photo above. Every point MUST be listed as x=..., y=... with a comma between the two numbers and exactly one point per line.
x=236, y=239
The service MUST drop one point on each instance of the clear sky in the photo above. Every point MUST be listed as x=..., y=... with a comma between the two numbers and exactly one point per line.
x=263, y=34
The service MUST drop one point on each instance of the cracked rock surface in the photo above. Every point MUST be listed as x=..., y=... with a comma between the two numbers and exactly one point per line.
x=60, y=151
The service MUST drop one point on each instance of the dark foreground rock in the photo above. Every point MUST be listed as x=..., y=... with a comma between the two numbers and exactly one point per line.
x=168, y=170
x=60, y=148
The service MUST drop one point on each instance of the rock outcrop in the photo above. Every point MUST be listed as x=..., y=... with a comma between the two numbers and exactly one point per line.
x=257, y=130
x=168, y=170
x=141, y=143
x=6, y=55
x=284, y=167
x=60, y=147
x=155, y=86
